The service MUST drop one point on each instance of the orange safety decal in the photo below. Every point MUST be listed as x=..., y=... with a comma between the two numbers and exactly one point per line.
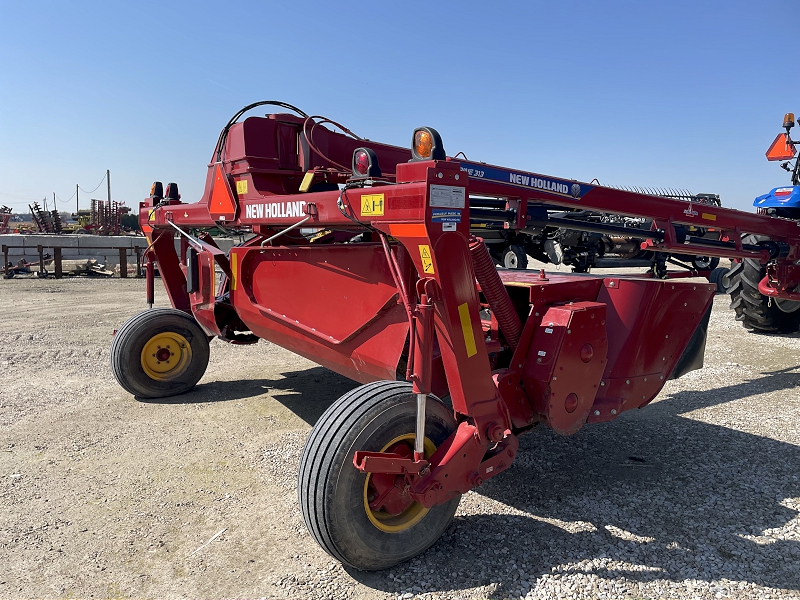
x=466, y=329
x=709, y=216
x=427, y=259
x=221, y=206
x=400, y=230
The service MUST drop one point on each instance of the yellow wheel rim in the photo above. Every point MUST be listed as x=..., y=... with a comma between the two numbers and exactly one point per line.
x=410, y=516
x=166, y=355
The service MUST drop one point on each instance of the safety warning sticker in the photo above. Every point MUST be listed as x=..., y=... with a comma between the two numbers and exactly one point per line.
x=371, y=205
x=427, y=260
x=241, y=187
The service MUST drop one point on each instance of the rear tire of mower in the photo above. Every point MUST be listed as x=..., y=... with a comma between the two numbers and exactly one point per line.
x=515, y=257
x=128, y=357
x=332, y=492
x=752, y=308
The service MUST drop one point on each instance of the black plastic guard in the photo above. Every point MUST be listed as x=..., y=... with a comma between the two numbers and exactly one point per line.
x=692, y=357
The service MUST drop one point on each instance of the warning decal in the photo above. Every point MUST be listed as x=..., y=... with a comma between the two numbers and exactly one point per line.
x=241, y=186
x=427, y=260
x=372, y=205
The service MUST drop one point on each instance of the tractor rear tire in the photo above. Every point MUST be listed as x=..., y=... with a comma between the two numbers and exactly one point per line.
x=333, y=494
x=515, y=257
x=752, y=308
x=158, y=353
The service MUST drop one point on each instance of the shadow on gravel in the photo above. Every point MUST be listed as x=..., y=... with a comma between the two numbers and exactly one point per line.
x=306, y=393
x=670, y=497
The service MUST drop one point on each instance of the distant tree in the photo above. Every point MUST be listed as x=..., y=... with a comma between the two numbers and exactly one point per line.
x=131, y=222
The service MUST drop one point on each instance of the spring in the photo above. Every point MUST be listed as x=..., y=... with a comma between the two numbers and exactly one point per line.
x=495, y=292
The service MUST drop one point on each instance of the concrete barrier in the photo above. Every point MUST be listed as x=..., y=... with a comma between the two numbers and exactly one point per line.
x=110, y=250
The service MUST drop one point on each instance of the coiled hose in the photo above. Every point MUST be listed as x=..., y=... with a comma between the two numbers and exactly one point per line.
x=494, y=291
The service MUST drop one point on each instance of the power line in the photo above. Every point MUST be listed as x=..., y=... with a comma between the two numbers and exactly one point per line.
x=95, y=189
x=22, y=200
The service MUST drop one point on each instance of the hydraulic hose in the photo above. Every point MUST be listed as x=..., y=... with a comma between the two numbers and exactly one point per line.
x=495, y=292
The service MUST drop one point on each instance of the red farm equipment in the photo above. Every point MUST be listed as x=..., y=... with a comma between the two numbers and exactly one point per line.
x=5, y=217
x=361, y=259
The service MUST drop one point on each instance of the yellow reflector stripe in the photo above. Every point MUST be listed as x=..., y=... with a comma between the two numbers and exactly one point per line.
x=234, y=270
x=308, y=179
x=466, y=328
x=709, y=216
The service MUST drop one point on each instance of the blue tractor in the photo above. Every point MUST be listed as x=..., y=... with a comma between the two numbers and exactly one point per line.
x=757, y=312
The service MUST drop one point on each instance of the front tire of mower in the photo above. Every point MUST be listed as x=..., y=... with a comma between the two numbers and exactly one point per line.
x=158, y=353
x=753, y=309
x=333, y=494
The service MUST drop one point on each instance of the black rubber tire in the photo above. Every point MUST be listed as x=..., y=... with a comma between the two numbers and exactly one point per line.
x=515, y=257
x=330, y=489
x=705, y=263
x=752, y=308
x=716, y=276
x=130, y=339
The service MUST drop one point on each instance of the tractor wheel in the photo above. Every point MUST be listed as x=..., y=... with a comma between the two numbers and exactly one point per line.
x=717, y=276
x=159, y=352
x=335, y=497
x=753, y=309
x=705, y=263
x=514, y=257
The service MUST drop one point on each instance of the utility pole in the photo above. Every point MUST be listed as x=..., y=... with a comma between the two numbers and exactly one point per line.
x=77, y=202
x=108, y=181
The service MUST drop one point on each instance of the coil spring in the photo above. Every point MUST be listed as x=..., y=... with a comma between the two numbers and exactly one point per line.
x=494, y=291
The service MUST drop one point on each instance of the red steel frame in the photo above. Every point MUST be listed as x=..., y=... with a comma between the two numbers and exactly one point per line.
x=590, y=347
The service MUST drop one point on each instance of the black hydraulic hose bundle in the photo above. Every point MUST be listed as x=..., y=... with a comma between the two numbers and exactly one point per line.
x=495, y=292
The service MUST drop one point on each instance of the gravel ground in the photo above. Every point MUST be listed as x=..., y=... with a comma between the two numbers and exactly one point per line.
x=696, y=496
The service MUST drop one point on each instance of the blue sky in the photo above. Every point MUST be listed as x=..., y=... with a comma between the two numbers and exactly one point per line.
x=672, y=94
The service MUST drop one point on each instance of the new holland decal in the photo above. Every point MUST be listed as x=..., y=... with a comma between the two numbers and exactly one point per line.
x=275, y=210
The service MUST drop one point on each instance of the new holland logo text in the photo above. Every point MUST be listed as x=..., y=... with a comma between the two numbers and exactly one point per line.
x=275, y=210
x=541, y=184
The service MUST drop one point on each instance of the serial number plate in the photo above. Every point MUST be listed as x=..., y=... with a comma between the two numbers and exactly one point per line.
x=447, y=196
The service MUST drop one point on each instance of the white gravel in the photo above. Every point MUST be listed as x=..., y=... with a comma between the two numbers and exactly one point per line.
x=695, y=496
